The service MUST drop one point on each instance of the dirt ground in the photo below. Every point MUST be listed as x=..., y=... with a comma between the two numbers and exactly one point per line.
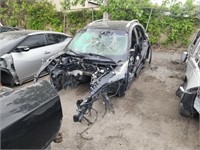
x=146, y=117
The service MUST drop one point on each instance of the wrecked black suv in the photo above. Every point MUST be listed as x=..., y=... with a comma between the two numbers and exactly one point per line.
x=108, y=54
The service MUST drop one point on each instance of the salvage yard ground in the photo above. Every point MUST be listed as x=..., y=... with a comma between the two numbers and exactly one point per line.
x=146, y=117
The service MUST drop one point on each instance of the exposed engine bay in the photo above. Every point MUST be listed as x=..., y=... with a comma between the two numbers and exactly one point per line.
x=105, y=77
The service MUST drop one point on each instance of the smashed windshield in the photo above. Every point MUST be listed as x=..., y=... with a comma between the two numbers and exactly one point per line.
x=110, y=43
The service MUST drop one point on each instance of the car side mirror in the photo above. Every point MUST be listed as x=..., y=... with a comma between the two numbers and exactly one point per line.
x=184, y=57
x=22, y=48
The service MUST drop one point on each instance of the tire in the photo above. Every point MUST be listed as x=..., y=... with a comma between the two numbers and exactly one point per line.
x=186, y=106
x=7, y=79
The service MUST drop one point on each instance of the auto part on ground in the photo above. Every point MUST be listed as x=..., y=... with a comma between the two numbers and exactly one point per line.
x=30, y=118
x=109, y=54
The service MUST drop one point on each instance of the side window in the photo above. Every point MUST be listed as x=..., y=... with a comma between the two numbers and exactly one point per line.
x=34, y=41
x=141, y=35
x=62, y=38
x=133, y=39
x=55, y=38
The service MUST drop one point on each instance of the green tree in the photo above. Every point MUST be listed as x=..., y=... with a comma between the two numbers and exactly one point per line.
x=43, y=15
x=31, y=14
x=14, y=12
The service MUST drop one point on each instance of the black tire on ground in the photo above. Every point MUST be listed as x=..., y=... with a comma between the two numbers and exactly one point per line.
x=7, y=79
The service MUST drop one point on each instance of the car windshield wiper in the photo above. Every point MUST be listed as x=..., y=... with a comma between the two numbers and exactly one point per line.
x=75, y=53
x=100, y=56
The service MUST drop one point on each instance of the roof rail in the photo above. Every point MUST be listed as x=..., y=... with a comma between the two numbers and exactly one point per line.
x=135, y=20
x=100, y=20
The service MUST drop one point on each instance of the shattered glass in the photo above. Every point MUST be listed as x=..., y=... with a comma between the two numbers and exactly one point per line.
x=108, y=43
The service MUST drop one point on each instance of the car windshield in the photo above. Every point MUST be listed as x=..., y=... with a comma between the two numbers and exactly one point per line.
x=109, y=43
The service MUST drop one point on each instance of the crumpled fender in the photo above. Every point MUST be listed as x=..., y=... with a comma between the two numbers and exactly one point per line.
x=119, y=72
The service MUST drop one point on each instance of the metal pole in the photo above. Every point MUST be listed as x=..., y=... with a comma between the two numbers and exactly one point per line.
x=149, y=19
x=92, y=14
x=64, y=22
x=105, y=14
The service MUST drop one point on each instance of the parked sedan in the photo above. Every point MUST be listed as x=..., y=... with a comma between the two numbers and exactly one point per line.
x=22, y=53
x=189, y=91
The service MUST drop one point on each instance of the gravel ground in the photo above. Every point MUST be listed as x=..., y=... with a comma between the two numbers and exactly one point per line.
x=146, y=117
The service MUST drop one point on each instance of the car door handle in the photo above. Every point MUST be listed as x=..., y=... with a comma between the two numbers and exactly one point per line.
x=47, y=52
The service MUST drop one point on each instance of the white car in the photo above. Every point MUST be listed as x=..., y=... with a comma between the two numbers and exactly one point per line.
x=23, y=52
x=189, y=91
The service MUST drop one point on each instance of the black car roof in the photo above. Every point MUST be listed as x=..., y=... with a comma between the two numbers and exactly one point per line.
x=113, y=25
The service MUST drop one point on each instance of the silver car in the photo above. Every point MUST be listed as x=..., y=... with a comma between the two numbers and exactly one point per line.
x=22, y=53
x=189, y=91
